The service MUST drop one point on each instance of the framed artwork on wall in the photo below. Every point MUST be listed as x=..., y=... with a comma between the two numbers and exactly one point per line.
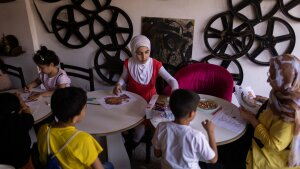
x=171, y=39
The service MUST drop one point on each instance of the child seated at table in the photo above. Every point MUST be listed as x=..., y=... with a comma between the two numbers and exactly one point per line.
x=140, y=73
x=179, y=145
x=69, y=107
x=15, y=122
x=50, y=75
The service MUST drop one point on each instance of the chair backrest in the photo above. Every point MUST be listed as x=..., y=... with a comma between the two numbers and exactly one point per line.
x=80, y=72
x=16, y=72
x=204, y=78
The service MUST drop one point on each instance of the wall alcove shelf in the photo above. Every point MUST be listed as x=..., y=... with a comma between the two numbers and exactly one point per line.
x=10, y=46
x=13, y=53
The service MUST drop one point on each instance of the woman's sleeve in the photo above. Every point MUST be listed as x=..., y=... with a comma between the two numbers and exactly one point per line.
x=123, y=78
x=168, y=78
x=278, y=137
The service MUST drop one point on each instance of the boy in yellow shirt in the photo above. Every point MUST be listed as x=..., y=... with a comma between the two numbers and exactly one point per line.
x=69, y=107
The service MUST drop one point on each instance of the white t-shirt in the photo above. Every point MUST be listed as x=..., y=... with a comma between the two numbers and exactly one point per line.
x=181, y=146
x=52, y=82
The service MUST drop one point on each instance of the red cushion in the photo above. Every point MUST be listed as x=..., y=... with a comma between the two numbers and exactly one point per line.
x=204, y=78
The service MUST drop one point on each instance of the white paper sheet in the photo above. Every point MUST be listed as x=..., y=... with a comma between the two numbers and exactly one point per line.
x=160, y=116
x=245, y=97
x=148, y=110
x=228, y=121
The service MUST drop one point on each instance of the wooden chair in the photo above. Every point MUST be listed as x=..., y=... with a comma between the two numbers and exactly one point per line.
x=16, y=72
x=79, y=72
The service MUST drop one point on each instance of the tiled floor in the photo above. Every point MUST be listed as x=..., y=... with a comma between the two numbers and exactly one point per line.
x=139, y=156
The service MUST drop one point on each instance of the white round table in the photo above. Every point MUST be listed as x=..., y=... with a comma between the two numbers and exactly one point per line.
x=101, y=121
x=223, y=135
x=111, y=122
x=40, y=108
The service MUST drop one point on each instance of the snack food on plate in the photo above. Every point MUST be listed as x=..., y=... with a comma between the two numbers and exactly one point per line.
x=207, y=104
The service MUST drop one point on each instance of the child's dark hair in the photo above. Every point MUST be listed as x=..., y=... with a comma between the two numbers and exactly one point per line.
x=182, y=102
x=68, y=102
x=45, y=57
x=9, y=104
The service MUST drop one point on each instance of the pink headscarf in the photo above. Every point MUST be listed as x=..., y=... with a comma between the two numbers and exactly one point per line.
x=285, y=96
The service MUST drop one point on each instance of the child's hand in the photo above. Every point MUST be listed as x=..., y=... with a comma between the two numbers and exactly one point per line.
x=19, y=97
x=117, y=89
x=208, y=126
x=34, y=96
x=28, y=88
x=24, y=107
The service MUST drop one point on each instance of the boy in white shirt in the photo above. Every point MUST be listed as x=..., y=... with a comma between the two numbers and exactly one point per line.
x=179, y=145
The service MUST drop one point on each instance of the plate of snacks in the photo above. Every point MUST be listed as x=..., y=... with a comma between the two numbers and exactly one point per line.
x=208, y=106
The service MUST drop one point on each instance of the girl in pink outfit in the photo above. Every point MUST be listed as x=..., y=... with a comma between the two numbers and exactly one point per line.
x=50, y=75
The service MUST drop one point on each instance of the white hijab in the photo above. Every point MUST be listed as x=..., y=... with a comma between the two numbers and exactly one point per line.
x=141, y=73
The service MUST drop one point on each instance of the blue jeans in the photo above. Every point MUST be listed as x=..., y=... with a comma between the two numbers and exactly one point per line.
x=108, y=165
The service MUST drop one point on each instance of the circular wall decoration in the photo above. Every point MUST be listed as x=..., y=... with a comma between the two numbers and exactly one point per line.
x=109, y=64
x=290, y=8
x=227, y=39
x=237, y=7
x=111, y=28
x=96, y=7
x=271, y=42
x=237, y=77
x=71, y=26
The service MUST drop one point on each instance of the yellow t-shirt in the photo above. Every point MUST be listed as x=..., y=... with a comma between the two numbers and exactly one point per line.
x=81, y=152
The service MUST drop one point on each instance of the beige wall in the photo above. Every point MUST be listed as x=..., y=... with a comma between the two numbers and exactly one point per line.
x=14, y=20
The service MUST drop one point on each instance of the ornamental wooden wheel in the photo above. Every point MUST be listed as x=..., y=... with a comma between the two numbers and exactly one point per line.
x=290, y=8
x=270, y=43
x=109, y=64
x=97, y=5
x=237, y=7
x=227, y=39
x=111, y=28
x=230, y=65
x=71, y=26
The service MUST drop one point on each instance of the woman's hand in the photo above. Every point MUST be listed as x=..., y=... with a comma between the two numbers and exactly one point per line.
x=117, y=89
x=261, y=99
x=248, y=116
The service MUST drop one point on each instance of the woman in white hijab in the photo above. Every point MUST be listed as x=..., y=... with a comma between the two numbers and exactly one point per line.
x=276, y=140
x=140, y=73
